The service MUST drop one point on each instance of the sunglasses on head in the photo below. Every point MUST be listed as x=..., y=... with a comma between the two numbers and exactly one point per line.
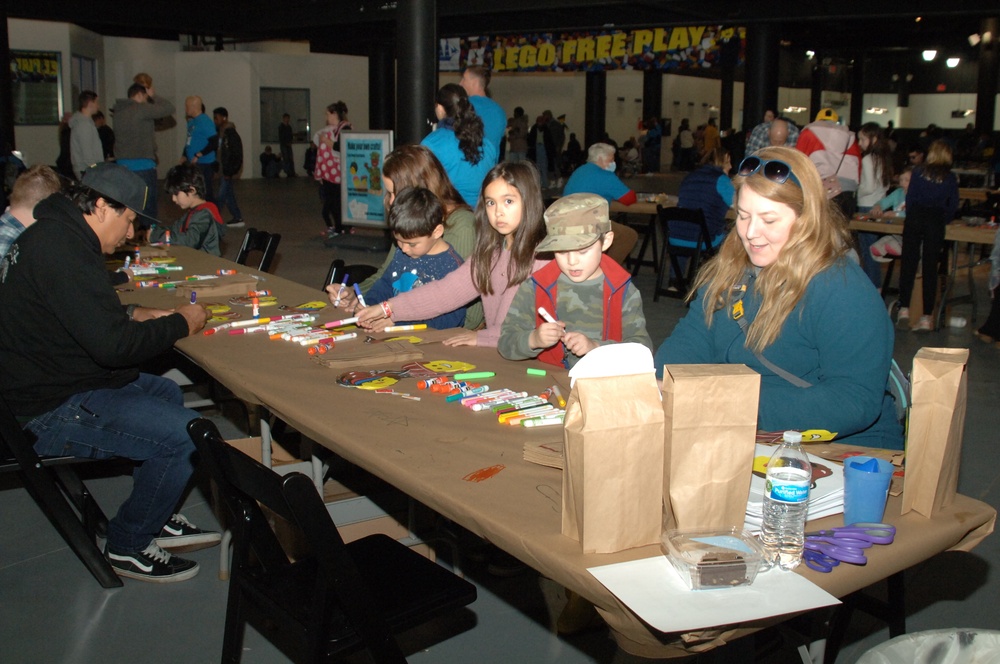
x=774, y=170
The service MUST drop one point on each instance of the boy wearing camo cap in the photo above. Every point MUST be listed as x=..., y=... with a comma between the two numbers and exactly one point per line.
x=591, y=297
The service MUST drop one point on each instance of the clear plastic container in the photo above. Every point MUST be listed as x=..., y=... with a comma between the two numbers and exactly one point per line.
x=713, y=558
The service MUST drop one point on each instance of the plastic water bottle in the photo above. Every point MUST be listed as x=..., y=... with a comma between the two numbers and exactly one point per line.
x=786, y=501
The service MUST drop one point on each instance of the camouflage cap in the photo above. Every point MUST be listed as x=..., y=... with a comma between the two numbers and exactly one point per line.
x=574, y=222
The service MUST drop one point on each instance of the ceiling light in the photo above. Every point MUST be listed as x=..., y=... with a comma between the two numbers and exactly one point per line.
x=877, y=110
x=952, y=62
x=929, y=55
x=810, y=55
x=794, y=109
x=974, y=39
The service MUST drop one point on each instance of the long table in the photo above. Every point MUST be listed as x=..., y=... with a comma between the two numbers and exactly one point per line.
x=433, y=450
x=957, y=234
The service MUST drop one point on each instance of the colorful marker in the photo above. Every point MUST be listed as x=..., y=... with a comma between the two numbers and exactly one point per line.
x=559, y=396
x=361, y=299
x=343, y=285
x=399, y=328
x=544, y=420
x=474, y=375
x=342, y=322
x=546, y=315
x=258, y=293
x=194, y=297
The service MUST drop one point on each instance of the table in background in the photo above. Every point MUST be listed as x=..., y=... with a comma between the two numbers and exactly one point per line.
x=429, y=449
x=646, y=205
x=957, y=233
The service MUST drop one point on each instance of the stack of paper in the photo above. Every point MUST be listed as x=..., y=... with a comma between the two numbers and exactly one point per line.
x=826, y=495
x=549, y=453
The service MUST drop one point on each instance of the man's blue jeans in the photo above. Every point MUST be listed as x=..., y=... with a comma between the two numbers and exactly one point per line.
x=145, y=421
x=227, y=198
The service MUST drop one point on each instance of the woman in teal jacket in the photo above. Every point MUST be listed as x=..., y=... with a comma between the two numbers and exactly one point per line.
x=782, y=298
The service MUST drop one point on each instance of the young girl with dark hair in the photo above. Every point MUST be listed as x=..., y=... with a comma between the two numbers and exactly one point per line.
x=509, y=226
x=328, y=167
x=459, y=143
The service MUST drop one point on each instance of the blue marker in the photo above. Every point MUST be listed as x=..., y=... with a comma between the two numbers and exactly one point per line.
x=343, y=285
x=194, y=297
x=361, y=299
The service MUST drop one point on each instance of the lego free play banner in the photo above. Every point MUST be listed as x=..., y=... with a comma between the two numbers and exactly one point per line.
x=666, y=49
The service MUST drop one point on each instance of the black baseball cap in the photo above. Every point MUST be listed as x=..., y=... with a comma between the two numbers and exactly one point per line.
x=119, y=184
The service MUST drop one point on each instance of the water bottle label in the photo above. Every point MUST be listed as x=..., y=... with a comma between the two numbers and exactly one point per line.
x=787, y=492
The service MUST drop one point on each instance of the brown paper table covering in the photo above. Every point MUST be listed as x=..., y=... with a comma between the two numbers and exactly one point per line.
x=433, y=451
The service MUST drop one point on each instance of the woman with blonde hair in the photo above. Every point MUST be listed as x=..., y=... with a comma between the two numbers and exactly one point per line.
x=931, y=202
x=783, y=298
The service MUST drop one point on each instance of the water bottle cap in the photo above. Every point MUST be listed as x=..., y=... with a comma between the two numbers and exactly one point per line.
x=792, y=436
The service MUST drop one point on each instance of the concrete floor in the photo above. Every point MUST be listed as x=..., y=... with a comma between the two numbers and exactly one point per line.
x=51, y=610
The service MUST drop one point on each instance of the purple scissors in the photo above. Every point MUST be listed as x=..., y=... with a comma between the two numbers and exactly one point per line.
x=819, y=561
x=871, y=533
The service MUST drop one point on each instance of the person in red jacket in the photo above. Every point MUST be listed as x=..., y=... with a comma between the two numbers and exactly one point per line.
x=834, y=150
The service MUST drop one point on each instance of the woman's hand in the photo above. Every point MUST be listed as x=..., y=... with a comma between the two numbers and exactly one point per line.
x=463, y=338
x=373, y=318
x=876, y=211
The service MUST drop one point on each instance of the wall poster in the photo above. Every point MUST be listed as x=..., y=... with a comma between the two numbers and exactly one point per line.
x=362, y=154
x=36, y=87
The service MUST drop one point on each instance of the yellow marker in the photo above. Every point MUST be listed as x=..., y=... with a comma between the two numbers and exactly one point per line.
x=405, y=328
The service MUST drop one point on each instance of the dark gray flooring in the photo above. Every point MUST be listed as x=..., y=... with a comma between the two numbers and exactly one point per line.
x=51, y=610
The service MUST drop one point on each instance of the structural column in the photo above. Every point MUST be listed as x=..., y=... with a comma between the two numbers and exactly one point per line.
x=381, y=88
x=857, y=91
x=816, y=91
x=416, y=36
x=986, y=90
x=761, y=92
x=596, y=104
x=652, y=94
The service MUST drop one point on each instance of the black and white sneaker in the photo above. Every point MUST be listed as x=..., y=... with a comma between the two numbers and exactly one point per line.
x=235, y=223
x=152, y=564
x=178, y=533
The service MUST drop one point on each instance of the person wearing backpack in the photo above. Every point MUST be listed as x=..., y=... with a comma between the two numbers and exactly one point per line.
x=201, y=225
x=230, y=153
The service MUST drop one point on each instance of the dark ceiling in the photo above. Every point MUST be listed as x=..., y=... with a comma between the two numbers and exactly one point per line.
x=357, y=26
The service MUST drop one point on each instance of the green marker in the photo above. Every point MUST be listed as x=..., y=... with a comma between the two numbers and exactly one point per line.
x=474, y=375
x=536, y=372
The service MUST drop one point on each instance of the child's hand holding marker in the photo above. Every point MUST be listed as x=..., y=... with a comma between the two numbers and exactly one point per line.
x=549, y=333
x=340, y=295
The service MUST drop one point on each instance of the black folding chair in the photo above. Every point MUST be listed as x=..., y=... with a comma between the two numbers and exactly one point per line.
x=262, y=241
x=356, y=273
x=672, y=217
x=338, y=598
x=60, y=493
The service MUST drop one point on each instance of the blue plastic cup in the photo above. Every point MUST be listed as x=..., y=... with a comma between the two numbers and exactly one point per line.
x=866, y=488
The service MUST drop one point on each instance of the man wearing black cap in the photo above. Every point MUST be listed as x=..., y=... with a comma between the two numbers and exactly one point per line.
x=68, y=356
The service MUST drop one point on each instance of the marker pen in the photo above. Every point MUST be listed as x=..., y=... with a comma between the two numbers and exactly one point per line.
x=225, y=273
x=258, y=293
x=361, y=298
x=544, y=420
x=538, y=408
x=128, y=260
x=489, y=405
x=194, y=297
x=546, y=315
x=514, y=403
x=341, y=323
x=516, y=420
x=403, y=328
x=474, y=375
x=559, y=396
x=343, y=285
x=486, y=396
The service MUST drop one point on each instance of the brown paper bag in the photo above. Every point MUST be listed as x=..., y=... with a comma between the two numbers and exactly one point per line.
x=612, y=485
x=937, y=422
x=710, y=423
x=235, y=284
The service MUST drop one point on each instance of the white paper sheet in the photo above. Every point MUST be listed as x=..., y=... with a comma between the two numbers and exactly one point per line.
x=657, y=594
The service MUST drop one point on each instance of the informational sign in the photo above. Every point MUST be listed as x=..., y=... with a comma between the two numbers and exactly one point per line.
x=667, y=49
x=36, y=87
x=362, y=154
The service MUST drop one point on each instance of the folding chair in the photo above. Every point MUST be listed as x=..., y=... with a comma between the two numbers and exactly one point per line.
x=337, y=599
x=356, y=273
x=673, y=217
x=60, y=493
x=262, y=241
